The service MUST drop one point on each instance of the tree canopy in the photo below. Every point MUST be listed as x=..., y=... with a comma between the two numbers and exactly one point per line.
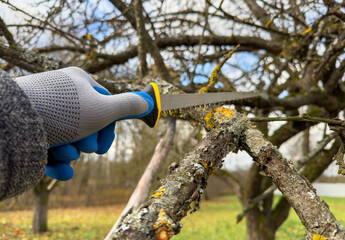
x=292, y=52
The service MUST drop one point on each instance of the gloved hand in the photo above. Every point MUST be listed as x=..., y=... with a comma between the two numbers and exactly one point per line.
x=76, y=114
x=60, y=157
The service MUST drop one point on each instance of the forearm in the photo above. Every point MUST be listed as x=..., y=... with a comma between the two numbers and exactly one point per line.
x=23, y=146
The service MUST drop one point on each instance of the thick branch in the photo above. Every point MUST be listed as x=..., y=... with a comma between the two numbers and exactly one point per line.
x=299, y=164
x=141, y=191
x=250, y=43
x=327, y=101
x=312, y=171
x=313, y=213
x=180, y=190
x=29, y=60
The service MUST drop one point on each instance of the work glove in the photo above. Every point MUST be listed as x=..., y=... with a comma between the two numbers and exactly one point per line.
x=79, y=114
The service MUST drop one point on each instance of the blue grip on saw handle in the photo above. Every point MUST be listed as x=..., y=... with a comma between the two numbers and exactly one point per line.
x=152, y=97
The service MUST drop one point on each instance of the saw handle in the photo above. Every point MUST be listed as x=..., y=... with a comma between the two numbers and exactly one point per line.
x=152, y=118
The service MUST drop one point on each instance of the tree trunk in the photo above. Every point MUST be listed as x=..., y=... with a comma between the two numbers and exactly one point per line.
x=259, y=218
x=258, y=227
x=41, y=196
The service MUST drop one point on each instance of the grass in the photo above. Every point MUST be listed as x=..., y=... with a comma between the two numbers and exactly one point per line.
x=215, y=220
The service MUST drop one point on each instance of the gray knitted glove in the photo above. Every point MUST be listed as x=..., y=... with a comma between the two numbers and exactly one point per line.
x=72, y=109
x=23, y=146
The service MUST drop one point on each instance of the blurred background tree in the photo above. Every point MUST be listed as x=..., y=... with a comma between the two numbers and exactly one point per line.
x=292, y=51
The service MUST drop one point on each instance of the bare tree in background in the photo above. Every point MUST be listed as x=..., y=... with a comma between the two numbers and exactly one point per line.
x=291, y=51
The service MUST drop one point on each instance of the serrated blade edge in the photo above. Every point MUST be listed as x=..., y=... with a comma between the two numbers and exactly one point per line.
x=176, y=101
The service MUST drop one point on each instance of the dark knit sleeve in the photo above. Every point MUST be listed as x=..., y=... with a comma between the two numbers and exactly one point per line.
x=23, y=146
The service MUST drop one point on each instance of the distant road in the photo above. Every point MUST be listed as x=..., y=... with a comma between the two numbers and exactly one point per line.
x=327, y=189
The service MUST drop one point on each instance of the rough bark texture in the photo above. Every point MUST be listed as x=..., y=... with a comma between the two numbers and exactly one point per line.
x=142, y=189
x=29, y=60
x=180, y=191
x=159, y=217
x=313, y=213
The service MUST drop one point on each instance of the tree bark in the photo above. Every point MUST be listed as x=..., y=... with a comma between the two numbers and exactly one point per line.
x=142, y=189
x=41, y=197
x=159, y=217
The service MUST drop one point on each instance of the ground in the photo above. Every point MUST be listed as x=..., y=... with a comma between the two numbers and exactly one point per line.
x=215, y=220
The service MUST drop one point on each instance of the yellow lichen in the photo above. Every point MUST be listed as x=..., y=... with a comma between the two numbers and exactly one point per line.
x=204, y=163
x=224, y=113
x=214, y=75
x=306, y=31
x=159, y=193
x=162, y=221
x=202, y=90
x=319, y=237
x=269, y=23
x=89, y=37
x=175, y=112
x=208, y=119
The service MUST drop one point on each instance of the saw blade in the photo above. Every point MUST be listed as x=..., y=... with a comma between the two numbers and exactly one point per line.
x=177, y=101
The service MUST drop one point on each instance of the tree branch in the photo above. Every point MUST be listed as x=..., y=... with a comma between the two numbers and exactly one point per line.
x=29, y=60
x=302, y=118
x=299, y=164
x=140, y=23
x=127, y=11
x=312, y=170
x=142, y=189
x=180, y=191
x=247, y=43
x=8, y=35
x=313, y=213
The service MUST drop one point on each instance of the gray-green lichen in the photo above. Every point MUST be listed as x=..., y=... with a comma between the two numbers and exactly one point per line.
x=255, y=141
x=44, y=62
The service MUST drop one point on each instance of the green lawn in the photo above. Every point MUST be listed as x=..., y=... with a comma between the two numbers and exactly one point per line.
x=215, y=220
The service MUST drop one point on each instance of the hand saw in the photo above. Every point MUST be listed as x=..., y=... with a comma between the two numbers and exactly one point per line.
x=167, y=102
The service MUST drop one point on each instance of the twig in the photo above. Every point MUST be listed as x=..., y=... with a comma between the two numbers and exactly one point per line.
x=196, y=62
x=152, y=47
x=52, y=184
x=214, y=75
x=302, y=118
x=8, y=35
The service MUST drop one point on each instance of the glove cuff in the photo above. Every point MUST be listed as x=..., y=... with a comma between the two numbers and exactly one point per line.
x=23, y=146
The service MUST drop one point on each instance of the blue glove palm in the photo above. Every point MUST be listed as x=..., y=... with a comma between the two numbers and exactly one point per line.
x=60, y=157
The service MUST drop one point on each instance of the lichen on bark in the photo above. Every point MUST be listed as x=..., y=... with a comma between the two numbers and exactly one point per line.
x=180, y=191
